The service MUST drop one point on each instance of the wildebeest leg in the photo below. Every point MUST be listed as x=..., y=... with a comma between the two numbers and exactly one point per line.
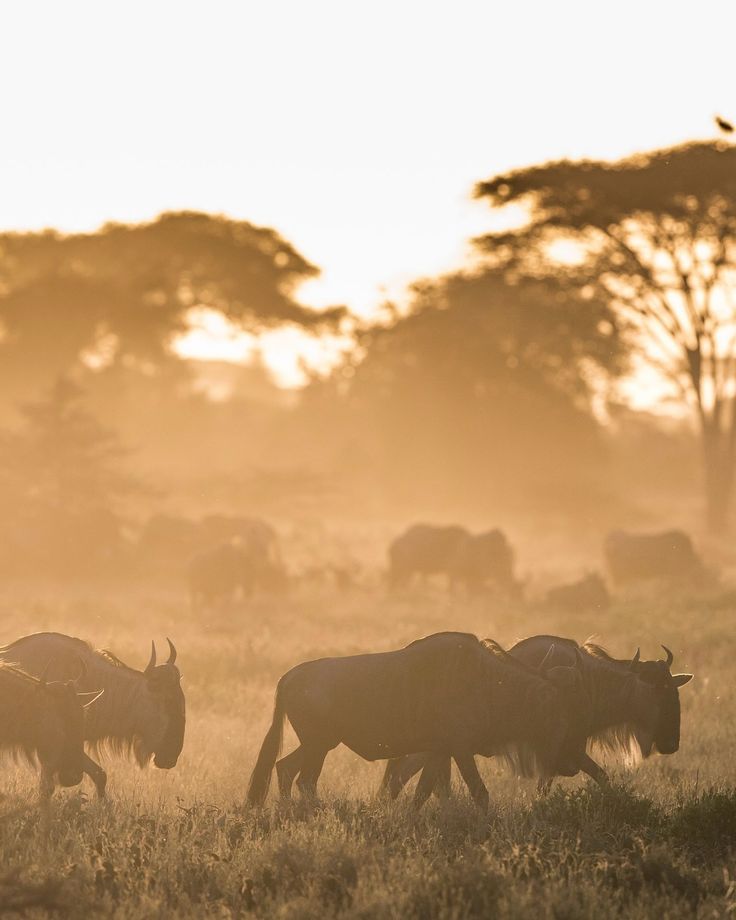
x=96, y=774
x=46, y=784
x=589, y=766
x=442, y=783
x=399, y=771
x=286, y=771
x=544, y=785
x=469, y=772
x=312, y=760
x=428, y=779
x=390, y=779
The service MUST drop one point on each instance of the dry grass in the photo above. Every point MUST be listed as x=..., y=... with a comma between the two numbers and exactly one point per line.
x=180, y=843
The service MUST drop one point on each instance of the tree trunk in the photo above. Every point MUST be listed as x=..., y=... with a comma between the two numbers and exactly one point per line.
x=719, y=480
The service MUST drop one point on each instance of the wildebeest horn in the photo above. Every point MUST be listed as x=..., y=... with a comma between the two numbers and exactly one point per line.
x=152, y=662
x=670, y=656
x=635, y=659
x=546, y=658
x=172, y=651
x=89, y=697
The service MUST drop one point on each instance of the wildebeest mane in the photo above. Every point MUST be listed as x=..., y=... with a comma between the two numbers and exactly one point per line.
x=500, y=652
x=616, y=740
x=123, y=685
x=110, y=657
x=597, y=651
x=84, y=647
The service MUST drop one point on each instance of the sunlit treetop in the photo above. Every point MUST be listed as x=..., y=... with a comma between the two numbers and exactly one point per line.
x=691, y=182
x=119, y=296
x=655, y=236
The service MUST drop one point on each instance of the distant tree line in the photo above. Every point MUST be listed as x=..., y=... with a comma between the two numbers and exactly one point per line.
x=488, y=390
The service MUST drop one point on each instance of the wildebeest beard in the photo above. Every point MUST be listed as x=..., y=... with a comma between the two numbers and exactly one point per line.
x=653, y=708
x=167, y=752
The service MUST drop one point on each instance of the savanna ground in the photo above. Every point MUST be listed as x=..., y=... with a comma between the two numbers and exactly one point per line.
x=661, y=843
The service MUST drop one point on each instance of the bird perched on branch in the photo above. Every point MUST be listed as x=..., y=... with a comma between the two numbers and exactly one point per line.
x=724, y=125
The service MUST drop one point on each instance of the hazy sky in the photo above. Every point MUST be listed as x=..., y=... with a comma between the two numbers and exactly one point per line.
x=356, y=130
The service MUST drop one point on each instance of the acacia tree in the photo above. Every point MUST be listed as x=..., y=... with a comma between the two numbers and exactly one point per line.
x=116, y=298
x=655, y=235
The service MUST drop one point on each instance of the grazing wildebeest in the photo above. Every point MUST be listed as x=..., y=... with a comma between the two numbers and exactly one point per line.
x=588, y=593
x=258, y=538
x=633, y=706
x=44, y=721
x=449, y=694
x=485, y=559
x=637, y=557
x=422, y=550
x=466, y=559
x=142, y=712
x=217, y=574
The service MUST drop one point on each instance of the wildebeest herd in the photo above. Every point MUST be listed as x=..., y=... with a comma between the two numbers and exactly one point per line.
x=231, y=557
x=449, y=696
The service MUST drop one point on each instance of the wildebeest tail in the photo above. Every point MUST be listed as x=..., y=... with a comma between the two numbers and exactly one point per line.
x=260, y=779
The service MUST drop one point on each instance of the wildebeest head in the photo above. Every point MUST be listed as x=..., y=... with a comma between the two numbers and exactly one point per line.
x=164, y=737
x=656, y=702
x=69, y=705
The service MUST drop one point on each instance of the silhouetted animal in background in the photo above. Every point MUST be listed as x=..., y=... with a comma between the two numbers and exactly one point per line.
x=167, y=542
x=422, y=550
x=633, y=706
x=724, y=125
x=448, y=694
x=486, y=559
x=139, y=711
x=638, y=557
x=588, y=593
x=44, y=720
x=468, y=560
x=217, y=574
x=257, y=538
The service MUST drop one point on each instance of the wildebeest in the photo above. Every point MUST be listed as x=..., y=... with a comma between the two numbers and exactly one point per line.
x=588, y=593
x=633, y=705
x=637, y=557
x=449, y=694
x=257, y=538
x=142, y=712
x=221, y=572
x=473, y=561
x=217, y=574
x=424, y=549
x=44, y=721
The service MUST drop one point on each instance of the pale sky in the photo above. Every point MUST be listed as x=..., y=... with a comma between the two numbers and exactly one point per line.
x=355, y=130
